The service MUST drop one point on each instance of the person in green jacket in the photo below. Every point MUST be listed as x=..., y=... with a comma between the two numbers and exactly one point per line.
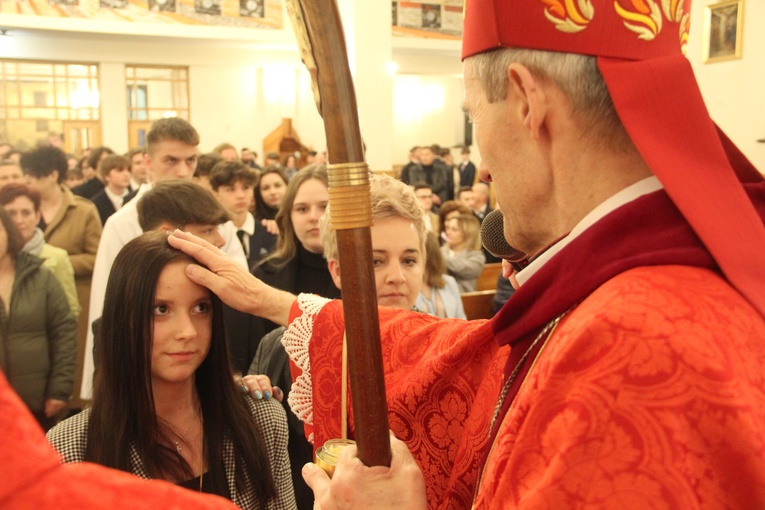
x=22, y=203
x=37, y=329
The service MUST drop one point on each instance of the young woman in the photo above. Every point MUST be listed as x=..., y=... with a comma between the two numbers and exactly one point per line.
x=298, y=264
x=269, y=193
x=462, y=251
x=440, y=294
x=37, y=344
x=164, y=406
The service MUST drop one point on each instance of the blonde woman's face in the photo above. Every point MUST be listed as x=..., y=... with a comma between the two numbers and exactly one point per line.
x=398, y=262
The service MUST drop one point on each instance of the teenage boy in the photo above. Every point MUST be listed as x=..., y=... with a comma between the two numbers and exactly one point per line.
x=232, y=183
x=114, y=170
x=171, y=154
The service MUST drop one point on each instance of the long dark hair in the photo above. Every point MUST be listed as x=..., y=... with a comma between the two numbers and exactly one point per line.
x=262, y=210
x=287, y=243
x=123, y=411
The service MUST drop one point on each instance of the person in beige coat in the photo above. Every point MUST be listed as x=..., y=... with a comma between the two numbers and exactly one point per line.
x=69, y=222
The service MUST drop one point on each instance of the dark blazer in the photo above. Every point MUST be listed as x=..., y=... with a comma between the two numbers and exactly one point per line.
x=440, y=177
x=88, y=188
x=261, y=244
x=467, y=173
x=314, y=279
x=105, y=206
x=130, y=196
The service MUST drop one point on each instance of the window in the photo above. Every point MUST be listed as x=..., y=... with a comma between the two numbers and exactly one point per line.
x=41, y=97
x=155, y=92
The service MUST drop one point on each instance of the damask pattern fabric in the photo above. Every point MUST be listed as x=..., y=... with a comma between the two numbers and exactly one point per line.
x=622, y=411
x=441, y=394
x=649, y=394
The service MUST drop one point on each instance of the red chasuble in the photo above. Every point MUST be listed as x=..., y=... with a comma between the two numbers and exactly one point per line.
x=648, y=394
x=442, y=378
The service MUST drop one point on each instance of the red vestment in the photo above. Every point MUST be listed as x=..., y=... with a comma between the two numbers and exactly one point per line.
x=649, y=394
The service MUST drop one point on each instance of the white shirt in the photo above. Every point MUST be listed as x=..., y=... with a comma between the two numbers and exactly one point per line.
x=116, y=200
x=628, y=194
x=121, y=228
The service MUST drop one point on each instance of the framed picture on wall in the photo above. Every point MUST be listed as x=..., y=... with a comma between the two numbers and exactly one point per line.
x=723, y=31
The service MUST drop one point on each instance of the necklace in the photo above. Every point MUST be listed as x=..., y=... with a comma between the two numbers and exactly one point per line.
x=181, y=438
x=179, y=449
x=545, y=333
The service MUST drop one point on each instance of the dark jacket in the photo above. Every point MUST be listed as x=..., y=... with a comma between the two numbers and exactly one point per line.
x=467, y=173
x=306, y=272
x=440, y=177
x=38, y=336
x=261, y=244
x=105, y=206
x=88, y=188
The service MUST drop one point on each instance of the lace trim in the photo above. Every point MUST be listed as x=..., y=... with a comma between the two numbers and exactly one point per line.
x=296, y=340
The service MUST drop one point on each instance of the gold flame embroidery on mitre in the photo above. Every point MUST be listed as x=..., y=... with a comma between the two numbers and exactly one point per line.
x=569, y=16
x=685, y=28
x=673, y=9
x=646, y=22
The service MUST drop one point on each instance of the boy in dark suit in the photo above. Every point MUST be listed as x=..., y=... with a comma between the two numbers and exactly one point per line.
x=114, y=170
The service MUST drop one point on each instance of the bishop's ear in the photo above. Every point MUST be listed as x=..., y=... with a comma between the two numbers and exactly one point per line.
x=527, y=92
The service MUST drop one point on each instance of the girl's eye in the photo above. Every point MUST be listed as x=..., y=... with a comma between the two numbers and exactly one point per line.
x=377, y=262
x=202, y=308
x=161, y=310
x=410, y=262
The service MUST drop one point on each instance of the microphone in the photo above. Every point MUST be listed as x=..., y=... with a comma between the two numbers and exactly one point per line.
x=493, y=239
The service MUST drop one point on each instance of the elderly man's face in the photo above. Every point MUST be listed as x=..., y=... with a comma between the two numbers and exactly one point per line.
x=508, y=159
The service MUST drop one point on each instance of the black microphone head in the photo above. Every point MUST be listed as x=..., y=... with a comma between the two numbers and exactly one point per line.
x=493, y=238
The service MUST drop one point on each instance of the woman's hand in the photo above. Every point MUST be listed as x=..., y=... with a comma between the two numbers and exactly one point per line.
x=53, y=407
x=232, y=283
x=356, y=486
x=259, y=386
x=270, y=226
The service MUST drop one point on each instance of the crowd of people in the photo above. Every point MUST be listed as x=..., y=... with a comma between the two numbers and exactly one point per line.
x=182, y=308
x=86, y=221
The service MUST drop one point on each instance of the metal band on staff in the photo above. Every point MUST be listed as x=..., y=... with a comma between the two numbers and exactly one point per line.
x=350, y=198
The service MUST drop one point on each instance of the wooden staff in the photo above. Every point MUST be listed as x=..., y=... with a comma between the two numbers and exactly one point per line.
x=320, y=36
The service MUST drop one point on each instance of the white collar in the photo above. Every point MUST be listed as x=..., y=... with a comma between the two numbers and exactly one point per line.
x=116, y=200
x=249, y=225
x=628, y=194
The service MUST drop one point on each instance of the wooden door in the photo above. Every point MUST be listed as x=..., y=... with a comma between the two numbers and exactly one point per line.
x=137, y=131
x=80, y=135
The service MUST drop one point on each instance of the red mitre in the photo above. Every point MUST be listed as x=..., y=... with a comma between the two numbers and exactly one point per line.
x=639, y=45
